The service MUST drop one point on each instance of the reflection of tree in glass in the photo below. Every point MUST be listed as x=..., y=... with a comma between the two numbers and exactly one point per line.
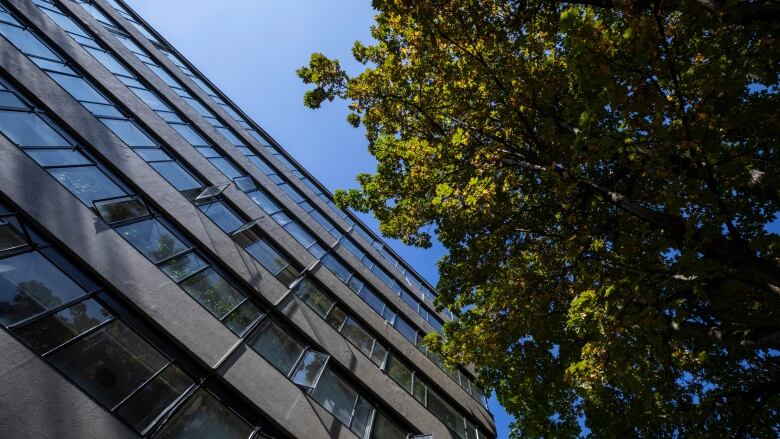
x=165, y=247
x=213, y=292
x=203, y=416
x=30, y=298
x=124, y=210
x=54, y=330
x=310, y=294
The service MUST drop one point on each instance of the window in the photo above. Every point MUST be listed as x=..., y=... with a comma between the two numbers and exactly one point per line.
x=444, y=411
x=267, y=255
x=336, y=396
x=202, y=416
x=28, y=130
x=151, y=100
x=316, y=299
x=213, y=292
x=310, y=369
x=155, y=397
x=337, y=268
x=78, y=88
x=11, y=237
x=109, y=363
x=50, y=332
x=88, y=183
x=222, y=216
x=152, y=239
x=108, y=61
x=399, y=372
x=190, y=135
x=30, y=284
x=129, y=133
x=225, y=167
x=406, y=330
x=55, y=157
x=26, y=42
x=372, y=300
x=385, y=429
x=264, y=202
x=117, y=210
x=176, y=175
x=180, y=267
x=276, y=346
x=355, y=333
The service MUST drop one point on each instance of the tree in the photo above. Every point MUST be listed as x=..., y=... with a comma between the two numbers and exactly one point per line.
x=602, y=174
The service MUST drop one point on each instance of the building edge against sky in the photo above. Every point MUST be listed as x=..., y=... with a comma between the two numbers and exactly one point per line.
x=167, y=270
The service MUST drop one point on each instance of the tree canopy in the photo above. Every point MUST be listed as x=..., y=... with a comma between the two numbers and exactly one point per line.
x=602, y=174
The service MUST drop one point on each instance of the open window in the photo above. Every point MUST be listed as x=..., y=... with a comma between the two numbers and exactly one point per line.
x=118, y=210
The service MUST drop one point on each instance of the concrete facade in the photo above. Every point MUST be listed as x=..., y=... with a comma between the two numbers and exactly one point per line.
x=230, y=366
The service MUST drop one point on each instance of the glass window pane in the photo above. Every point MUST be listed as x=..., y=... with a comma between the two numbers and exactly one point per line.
x=30, y=284
x=152, y=239
x=109, y=363
x=182, y=266
x=267, y=256
x=314, y=297
x=88, y=183
x=80, y=89
x=406, y=330
x=48, y=333
x=156, y=396
x=261, y=165
x=372, y=300
x=336, y=318
x=230, y=137
x=25, y=41
x=10, y=236
x=379, y=354
x=108, y=61
x=28, y=130
x=213, y=292
x=121, y=209
x=310, y=368
x=242, y=317
x=358, y=336
x=176, y=175
x=419, y=390
x=222, y=216
x=362, y=417
x=226, y=168
x=151, y=99
x=57, y=157
x=129, y=133
x=444, y=411
x=202, y=416
x=190, y=135
x=153, y=154
x=276, y=346
x=264, y=202
x=336, y=267
x=8, y=99
x=399, y=372
x=292, y=192
x=384, y=428
x=336, y=396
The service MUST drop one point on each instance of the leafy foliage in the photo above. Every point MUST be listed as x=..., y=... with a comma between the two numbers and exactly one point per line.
x=602, y=174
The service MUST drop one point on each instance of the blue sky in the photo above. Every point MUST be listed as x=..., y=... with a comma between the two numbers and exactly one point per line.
x=251, y=48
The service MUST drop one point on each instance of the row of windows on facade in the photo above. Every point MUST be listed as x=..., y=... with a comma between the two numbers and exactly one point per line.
x=221, y=214
x=149, y=235
x=223, y=164
x=412, y=279
x=182, y=179
x=60, y=313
